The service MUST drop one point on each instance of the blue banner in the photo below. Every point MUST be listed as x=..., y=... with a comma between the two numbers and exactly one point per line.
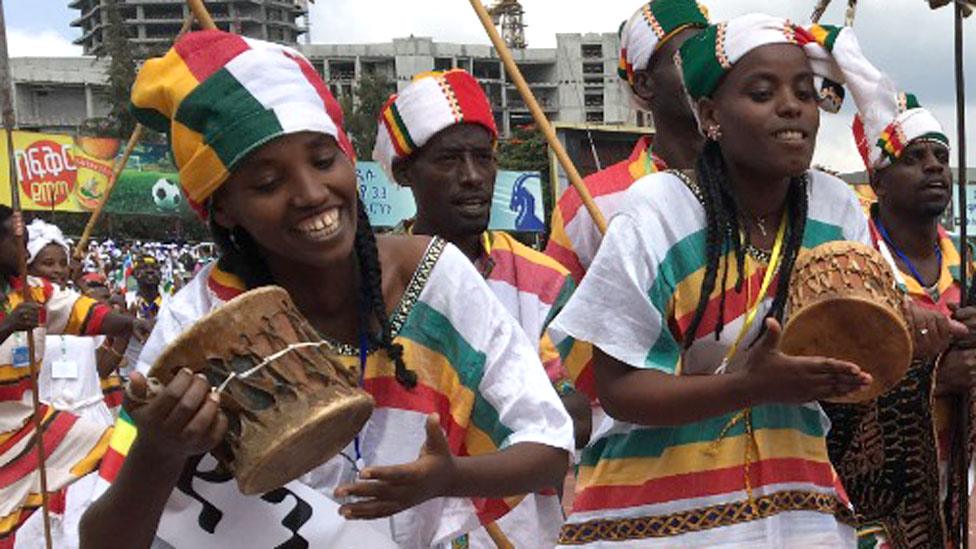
x=516, y=206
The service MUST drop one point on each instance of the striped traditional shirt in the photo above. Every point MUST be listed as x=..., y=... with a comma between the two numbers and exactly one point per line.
x=695, y=485
x=574, y=237
x=73, y=445
x=475, y=368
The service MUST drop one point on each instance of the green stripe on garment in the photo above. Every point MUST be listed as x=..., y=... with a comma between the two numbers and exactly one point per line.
x=151, y=118
x=818, y=232
x=569, y=286
x=231, y=120
x=428, y=327
x=651, y=442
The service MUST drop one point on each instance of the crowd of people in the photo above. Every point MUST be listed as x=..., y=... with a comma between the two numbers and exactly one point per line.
x=642, y=363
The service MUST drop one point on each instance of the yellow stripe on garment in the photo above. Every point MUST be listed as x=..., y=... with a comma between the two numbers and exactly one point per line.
x=504, y=241
x=226, y=279
x=79, y=313
x=163, y=84
x=91, y=461
x=14, y=299
x=433, y=371
x=559, y=235
x=687, y=291
x=547, y=350
x=9, y=374
x=12, y=520
x=578, y=358
x=123, y=436
x=701, y=457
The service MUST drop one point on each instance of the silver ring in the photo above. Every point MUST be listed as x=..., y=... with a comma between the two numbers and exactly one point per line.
x=923, y=331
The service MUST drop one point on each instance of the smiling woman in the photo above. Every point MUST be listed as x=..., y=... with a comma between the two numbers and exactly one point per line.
x=689, y=283
x=465, y=422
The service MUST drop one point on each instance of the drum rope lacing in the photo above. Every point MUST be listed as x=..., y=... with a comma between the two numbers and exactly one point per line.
x=267, y=361
x=745, y=416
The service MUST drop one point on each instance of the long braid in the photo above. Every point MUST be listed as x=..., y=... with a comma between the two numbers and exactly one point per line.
x=371, y=297
x=709, y=180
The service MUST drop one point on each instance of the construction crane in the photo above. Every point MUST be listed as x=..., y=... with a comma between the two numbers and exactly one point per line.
x=507, y=16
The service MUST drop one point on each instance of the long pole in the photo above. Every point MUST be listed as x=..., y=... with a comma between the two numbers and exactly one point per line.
x=9, y=122
x=124, y=159
x=540, y=118
x=962, y=447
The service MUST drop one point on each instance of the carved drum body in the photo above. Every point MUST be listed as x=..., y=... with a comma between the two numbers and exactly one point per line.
x=291, y=404
x=844, y=303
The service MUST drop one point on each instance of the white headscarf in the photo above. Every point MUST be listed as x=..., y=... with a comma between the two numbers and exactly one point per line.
x=39, y=235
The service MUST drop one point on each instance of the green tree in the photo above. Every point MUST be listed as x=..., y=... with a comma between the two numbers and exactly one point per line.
x=121, y=70
x=362, y=109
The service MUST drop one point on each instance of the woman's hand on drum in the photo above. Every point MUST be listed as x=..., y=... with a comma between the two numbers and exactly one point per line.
x=181, y=420
x=932, y=332
x=389, y=490
x=775, y=377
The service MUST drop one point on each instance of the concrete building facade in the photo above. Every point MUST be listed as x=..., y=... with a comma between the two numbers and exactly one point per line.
x=152, y=24
x=575, y=82
x=57, y=94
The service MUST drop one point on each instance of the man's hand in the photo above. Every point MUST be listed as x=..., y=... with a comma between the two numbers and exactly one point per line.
x=957, y=372
x=26, y=316
x=931, y=331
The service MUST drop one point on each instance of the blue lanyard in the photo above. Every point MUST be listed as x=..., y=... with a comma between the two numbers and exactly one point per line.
x=363, y=351
x=904, y=258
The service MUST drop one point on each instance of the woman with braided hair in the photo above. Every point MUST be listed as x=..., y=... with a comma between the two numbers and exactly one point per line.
x=465, y=421
x=715, y=438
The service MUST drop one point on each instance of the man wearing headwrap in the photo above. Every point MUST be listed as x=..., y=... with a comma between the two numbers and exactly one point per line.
x=437, y=136
x=648, y=41
x=73, y=445
x=893, y=454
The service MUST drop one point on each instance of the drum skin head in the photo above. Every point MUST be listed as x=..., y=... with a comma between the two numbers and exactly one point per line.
x=856, y=330
x=296, y=413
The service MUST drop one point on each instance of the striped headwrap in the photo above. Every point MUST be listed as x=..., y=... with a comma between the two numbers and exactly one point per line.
x=707, y=57
x=433, y=102
x=219, y=96
x=651, y=27
x=887, y=120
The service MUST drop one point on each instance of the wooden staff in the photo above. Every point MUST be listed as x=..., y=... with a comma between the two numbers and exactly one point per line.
x=6, y=90
x=119, y=165
x=961, y=448
x=540, y=118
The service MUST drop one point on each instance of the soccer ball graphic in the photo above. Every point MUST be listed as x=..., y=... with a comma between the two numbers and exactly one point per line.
x=166, y=195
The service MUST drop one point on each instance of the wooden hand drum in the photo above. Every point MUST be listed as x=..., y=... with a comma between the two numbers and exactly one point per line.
x=291, y=404
x=844, y=304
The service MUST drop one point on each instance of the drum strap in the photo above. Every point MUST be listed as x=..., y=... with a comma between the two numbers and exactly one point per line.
x=745, y=416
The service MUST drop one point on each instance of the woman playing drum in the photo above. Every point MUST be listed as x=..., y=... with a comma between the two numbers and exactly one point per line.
x=716, y=438
x=259, y=141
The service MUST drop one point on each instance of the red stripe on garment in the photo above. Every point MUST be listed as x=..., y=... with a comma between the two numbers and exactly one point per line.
x=490, y=510
x=26, y=430
x=614, y=179
x=12, y=391
x=585, y=382
x=22, y=465
x=113, y=397
x=567, y=258
x=96, y=317
x=388, y=393
x=111, y=464
x=526, y=275
x=206, y=52
x=705, y=483
x=735, y=304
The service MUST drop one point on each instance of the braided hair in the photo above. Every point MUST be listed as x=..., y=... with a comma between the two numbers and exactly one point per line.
x=241, y=256
x=723, y=232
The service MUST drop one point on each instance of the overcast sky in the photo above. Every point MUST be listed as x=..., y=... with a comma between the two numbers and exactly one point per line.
x=903, y=37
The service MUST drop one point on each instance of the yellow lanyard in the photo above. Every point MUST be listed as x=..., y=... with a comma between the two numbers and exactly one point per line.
x=763, y=289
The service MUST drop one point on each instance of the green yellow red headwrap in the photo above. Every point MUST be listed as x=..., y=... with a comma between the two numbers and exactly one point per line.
x=651, y=27
x=219, y=96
